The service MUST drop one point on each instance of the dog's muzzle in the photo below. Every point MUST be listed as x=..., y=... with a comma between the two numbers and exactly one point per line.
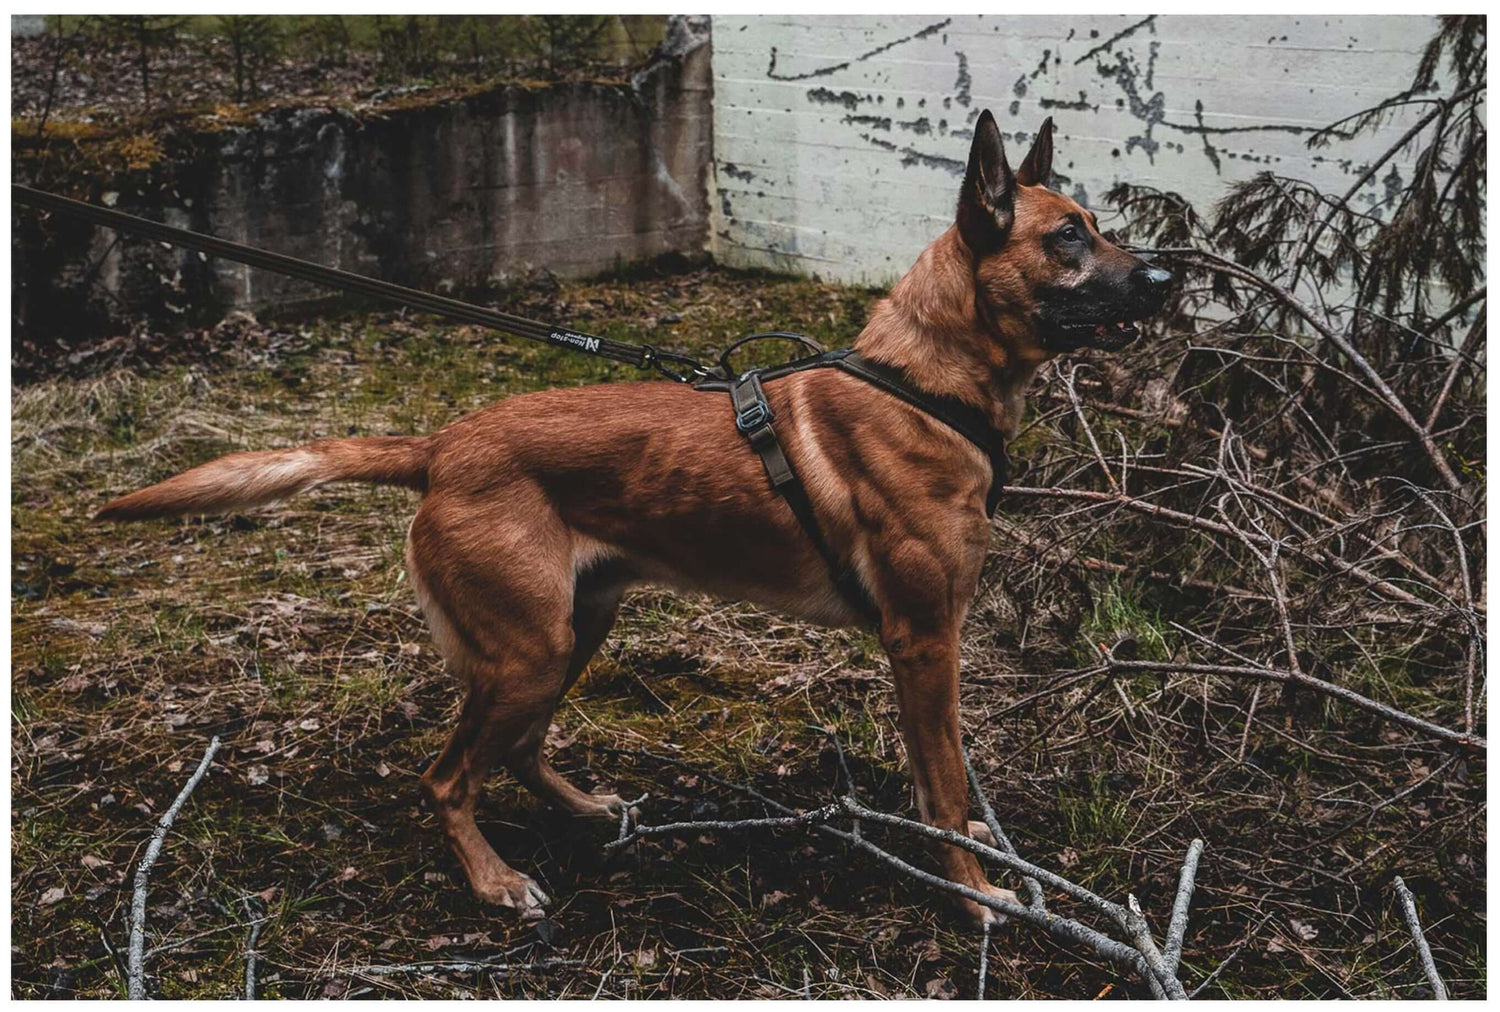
x=1113, y=328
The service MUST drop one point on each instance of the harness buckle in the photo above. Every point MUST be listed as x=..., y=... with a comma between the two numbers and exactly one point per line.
x=753, y=416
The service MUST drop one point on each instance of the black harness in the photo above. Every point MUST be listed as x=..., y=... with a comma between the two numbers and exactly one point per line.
x=753, y=417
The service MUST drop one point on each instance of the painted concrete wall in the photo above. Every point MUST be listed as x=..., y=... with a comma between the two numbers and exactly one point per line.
x=839, y=142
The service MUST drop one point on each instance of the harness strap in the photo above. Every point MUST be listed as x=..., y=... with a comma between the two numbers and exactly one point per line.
x=967, y=420
x=753, y=417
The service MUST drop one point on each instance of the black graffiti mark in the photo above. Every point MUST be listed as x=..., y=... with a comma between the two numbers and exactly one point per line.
x=879, y=142
x=835, y=68
x=735, y=172
x=878, y=122
x=1149, y=19
x=964, y=83
x=1152, y=112
x=1208, y=145
x=921, y=125
x=1149, y=111
x=911, y=156
x=1393, y=189
x=1041, y=68
x=847, y=99
x=1082, y=104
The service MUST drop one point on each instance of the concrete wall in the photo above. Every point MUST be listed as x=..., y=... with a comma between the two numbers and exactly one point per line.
x=27, y=26
x=839, y=142
x=575, y=178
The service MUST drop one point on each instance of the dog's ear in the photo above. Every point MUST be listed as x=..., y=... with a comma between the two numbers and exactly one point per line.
x=986, y=204
x=1036, y=170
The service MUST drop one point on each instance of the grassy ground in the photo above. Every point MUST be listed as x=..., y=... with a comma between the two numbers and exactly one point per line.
x=291, y=634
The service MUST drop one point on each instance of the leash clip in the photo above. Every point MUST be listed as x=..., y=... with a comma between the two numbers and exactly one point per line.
x=691, y=372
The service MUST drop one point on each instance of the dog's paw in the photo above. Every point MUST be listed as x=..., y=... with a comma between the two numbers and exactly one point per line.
x=516, y=892
x=981, y=832
x=982, y=915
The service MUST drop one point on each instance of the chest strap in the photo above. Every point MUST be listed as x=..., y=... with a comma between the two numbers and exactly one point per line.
x=753, y=417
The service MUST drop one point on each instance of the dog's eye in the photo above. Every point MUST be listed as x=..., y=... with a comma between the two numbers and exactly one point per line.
x=1070, y=234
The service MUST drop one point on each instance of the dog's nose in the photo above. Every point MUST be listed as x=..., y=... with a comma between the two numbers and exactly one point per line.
x=1155, y=277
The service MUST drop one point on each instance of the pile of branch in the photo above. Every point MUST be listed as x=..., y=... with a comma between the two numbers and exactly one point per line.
x=1122, y=937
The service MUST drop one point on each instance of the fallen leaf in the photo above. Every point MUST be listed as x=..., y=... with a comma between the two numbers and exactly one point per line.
x=258, y=775
x=1302, y=929
x=309, y=724
x=941, y=988
x=382, y=770
x=53, y=895
x=772, y=898
x=92, y=862
x=645, y=958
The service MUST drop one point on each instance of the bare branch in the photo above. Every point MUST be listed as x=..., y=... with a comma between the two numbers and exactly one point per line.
x=137, y=982
x=1468, y=740
x=1419, y=940
x=1178, y=926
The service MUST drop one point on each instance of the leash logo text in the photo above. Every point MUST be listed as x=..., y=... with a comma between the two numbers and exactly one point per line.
x=568, y=337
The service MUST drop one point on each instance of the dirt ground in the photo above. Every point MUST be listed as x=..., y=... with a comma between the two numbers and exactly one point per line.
x=291, y=633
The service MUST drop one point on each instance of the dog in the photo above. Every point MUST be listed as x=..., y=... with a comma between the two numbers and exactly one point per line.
x=538, y=512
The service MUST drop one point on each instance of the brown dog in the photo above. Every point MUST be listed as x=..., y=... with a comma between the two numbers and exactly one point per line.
x=538, y=512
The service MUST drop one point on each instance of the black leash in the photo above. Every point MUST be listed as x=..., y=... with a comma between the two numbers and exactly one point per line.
x=642, y=356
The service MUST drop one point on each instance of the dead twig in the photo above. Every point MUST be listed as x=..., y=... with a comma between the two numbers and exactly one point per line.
x=137, y=981
x=1034, y=895
x=1265, y=674
x=1224, y=963
x=1189, y=520
x=1419, y=940
x=984, y=960
x=1178, y=926
x=251, y=953
x=461, y=966
x=813, y=817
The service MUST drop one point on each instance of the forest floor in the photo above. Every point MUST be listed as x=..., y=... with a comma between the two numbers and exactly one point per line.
x=291, y=633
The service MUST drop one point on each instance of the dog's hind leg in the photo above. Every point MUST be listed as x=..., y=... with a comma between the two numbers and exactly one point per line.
x=497, y=592
x=453, y=784
x=596, y=601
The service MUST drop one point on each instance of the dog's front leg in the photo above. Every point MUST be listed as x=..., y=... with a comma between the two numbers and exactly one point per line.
x=925, y=668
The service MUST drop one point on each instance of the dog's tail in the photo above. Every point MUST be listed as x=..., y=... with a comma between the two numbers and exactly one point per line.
x=241, y=480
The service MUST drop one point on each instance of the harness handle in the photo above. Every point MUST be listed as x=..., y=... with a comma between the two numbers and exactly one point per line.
x=771, y=335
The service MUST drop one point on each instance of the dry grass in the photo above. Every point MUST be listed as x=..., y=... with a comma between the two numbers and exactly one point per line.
x=291, y=634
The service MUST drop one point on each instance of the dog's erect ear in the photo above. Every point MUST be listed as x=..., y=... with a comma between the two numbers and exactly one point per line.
x=986, y=204
x=1036, y=170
